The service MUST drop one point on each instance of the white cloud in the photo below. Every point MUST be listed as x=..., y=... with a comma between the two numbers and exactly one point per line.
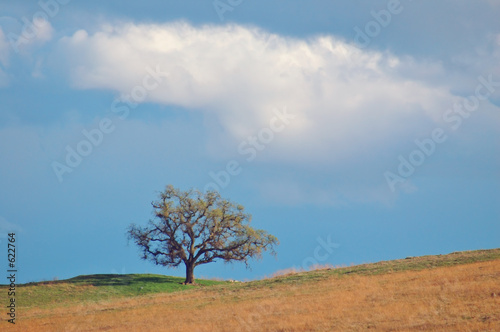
x=240, y=74
x=22, y=40
x=24, y=34
x=352, y=106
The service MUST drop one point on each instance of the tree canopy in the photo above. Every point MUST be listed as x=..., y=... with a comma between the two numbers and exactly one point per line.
x=197, y=228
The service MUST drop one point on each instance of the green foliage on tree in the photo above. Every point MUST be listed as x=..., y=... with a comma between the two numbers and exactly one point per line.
x=197, y=228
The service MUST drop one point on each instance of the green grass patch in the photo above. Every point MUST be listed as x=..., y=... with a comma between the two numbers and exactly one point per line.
x=98, y=287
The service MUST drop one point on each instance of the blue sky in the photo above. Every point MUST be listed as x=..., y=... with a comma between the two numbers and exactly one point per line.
x=353, y=131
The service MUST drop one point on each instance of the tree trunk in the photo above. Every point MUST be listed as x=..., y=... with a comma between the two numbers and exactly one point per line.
x=189, y=273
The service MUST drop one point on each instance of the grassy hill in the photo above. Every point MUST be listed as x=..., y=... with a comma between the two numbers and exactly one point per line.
x=98, y=287
x=462, y=288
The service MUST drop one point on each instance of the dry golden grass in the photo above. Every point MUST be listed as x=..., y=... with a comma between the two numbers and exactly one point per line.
x=458, y=298
x=293, y=270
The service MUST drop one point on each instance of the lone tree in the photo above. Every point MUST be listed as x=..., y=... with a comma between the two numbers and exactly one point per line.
x=196, y=228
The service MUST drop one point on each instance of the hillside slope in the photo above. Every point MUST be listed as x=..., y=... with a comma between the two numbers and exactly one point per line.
x=455, y=292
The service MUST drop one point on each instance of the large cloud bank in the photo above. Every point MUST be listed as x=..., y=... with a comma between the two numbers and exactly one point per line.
x=352, y=107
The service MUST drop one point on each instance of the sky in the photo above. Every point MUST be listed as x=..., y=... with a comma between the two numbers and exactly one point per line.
x=353, y=131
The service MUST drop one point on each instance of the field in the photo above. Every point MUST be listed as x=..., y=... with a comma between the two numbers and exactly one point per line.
x=455, y=292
